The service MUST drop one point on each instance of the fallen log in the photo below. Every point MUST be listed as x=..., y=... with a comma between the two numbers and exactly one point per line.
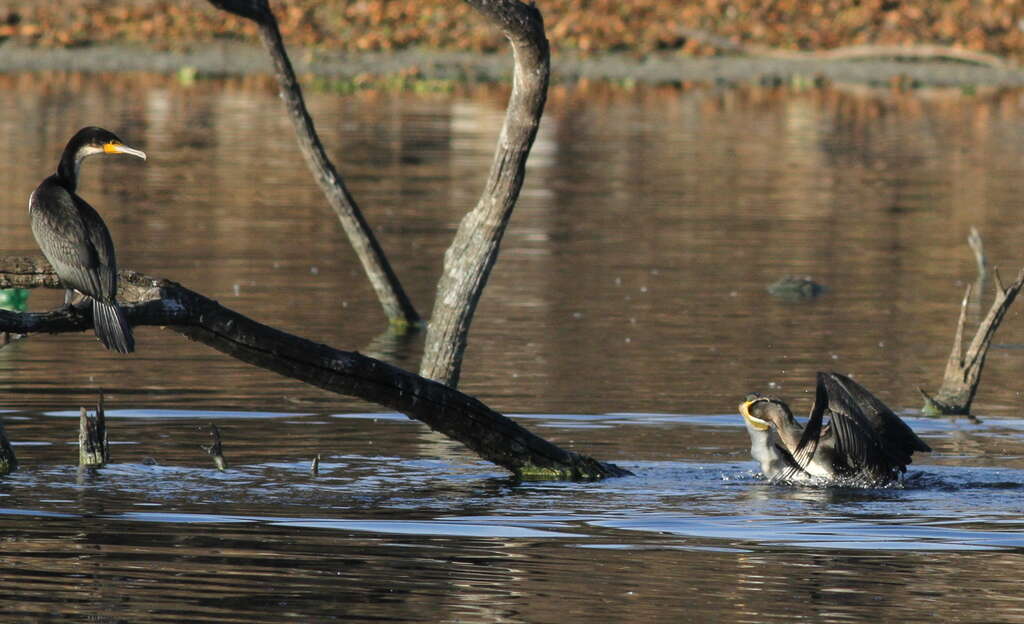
x=159, y=302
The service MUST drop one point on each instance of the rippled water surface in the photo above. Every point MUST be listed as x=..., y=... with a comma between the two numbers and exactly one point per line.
x=626, y=318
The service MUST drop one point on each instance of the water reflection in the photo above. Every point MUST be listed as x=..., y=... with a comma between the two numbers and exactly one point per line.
x=650, y=224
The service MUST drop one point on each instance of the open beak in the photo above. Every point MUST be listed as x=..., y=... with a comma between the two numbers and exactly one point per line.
x=756, y=423
x=121, y=148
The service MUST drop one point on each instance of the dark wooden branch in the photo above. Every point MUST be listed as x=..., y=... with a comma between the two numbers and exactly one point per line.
x=963, y=371
x=397, y=306
x=473, y=252
x=461, y=417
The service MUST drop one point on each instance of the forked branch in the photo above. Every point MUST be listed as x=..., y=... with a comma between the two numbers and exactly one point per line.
x=963, y=370
x=461, y=417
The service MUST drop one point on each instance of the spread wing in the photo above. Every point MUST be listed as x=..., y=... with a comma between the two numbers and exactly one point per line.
x=899, y=437
x=74, y=238
x=861, y=426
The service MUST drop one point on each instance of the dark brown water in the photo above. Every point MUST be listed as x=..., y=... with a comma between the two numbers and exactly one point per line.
x=626, y=318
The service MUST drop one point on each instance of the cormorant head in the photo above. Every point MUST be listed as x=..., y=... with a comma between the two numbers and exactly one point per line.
x=87, y=142
x=762, y=411
x=92, y=140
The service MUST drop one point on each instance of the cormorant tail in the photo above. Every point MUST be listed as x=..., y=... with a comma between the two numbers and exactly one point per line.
x=111, y=327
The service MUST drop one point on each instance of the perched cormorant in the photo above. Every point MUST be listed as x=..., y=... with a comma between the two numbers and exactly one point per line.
x=863, y=442
x=75, y=240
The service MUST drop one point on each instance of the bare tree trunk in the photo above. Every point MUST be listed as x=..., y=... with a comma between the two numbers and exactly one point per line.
x=473, y=252
x=963, y=371
x=491, y=435
x=397, y=306
x=468, y=262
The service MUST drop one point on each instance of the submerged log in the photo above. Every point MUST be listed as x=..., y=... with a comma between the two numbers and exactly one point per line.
x=963, y=370
x=461, y=417
x=93, y=448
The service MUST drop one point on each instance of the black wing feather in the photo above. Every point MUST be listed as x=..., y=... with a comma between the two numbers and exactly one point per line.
x=888, y=425
x=855, y=435
x=76, y=241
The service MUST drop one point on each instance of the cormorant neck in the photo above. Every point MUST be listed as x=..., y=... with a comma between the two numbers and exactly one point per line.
x=67, y=170
x=791, y=433
x=71, y=164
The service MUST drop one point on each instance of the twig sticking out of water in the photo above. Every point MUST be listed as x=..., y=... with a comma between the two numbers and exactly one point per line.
x=963, y=370
x=93, y=449
x=8, y=462
x=216, y=450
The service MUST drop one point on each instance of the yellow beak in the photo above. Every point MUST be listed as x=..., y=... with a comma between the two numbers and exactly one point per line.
x=756, y=423
x=121, y=148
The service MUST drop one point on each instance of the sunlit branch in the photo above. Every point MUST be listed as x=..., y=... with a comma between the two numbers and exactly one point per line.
x=474, y=250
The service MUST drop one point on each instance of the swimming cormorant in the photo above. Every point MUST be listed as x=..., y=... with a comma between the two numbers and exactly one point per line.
x=73, y=237
x=863, y=443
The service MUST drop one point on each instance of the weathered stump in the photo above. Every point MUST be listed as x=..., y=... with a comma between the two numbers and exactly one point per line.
x=216, y=450
x=93, y=448
x=963, y=370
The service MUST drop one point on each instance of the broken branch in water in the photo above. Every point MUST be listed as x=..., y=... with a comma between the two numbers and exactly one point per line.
x=215, y=450
x=151, y=301
x=963, y=370
x=93, y=448
x=8, y=462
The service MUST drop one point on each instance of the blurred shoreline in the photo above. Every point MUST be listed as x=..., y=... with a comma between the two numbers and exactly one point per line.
x=440, y=68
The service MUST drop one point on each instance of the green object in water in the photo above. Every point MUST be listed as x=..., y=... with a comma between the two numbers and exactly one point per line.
x=796, y=288
x=14, y=299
